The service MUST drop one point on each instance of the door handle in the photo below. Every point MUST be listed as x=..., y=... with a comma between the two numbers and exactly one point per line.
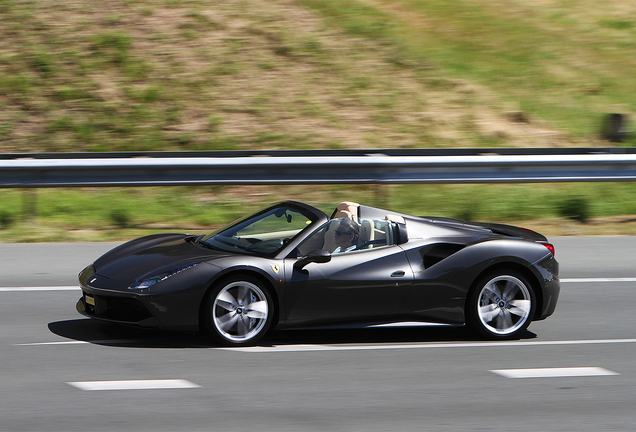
x=398, y=273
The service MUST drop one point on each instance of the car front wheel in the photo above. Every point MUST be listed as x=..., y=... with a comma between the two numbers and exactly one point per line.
x=501, y=305
x=239, y=311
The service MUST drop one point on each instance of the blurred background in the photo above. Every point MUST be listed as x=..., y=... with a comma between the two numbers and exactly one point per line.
x=155, y=75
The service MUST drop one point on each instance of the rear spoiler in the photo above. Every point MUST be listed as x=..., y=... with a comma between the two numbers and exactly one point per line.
x=510, y=230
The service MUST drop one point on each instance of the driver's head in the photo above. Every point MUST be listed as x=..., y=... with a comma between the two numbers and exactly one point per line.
x=347, y=233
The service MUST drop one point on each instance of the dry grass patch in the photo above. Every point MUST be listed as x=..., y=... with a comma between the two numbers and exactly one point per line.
x=241, y=74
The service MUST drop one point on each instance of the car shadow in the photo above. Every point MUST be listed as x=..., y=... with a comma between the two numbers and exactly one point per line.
x=107, y=334
x=394, y=334
x=98, y=333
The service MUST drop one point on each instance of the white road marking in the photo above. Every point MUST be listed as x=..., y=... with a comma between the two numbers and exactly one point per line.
x=598, y=280
x=81, y=342
x=305, y=348
x=53, y=343
x=357, y=326
x=554, y=372
x=43, y=288
x=412, y=324
x=134, y=385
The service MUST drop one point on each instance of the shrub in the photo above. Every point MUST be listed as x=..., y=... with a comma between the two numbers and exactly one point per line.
x=575, y=208
x=6, y=220
x=120, y=218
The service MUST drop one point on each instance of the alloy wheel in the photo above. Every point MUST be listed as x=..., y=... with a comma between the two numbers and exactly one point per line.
x=504, y=305
x=240, y=311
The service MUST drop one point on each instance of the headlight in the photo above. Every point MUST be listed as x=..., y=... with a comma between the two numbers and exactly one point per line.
x=148, y=282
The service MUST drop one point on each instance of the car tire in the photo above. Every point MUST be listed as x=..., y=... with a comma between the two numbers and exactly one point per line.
x=239, y=311
x=501, y=305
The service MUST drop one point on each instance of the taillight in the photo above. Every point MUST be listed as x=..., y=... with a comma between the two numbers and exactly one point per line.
x=550, y=247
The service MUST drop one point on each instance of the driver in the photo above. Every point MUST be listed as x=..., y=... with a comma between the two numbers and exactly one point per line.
x=346, y=235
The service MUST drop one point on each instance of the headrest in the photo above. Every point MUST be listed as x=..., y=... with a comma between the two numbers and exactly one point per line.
x=346, y=209
x=395, y=218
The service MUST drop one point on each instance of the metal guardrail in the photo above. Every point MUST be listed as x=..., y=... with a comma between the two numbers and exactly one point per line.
x=318, y=167
x=506, y=151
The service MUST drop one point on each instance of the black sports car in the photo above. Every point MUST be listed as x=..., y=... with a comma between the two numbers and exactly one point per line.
x=292, y=265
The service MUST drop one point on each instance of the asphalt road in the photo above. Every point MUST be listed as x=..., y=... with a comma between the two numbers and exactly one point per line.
x=375, y=379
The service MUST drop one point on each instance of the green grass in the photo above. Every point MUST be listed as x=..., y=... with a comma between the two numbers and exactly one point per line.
x=121, y=214
x=564, y=62
x=102, y=214
x=514, y=202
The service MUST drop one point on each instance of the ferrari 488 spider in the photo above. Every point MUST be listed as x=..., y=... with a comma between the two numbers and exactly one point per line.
x=292, y=265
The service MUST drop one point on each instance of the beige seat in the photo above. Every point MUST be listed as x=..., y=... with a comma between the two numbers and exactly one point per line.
x=367, y=234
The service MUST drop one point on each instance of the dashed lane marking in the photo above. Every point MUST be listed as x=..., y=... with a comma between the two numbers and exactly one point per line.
x=554, y=372
x=134, y=385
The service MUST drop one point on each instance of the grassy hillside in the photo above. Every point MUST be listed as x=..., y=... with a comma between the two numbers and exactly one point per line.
x=198, y=75
x=566, y=62
x=123, y=75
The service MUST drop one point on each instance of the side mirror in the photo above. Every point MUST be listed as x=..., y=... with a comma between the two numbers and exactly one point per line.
x=316, y=256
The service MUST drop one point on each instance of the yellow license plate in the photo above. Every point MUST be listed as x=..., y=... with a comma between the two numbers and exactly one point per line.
x=90, y=300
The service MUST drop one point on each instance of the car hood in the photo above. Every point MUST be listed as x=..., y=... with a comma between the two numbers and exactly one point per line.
x=149, y=256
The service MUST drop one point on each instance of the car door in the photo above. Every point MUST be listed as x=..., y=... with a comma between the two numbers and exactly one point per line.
x=359, y=285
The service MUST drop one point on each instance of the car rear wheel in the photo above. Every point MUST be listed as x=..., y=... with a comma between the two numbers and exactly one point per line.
x=239, y=311
x=501, y=305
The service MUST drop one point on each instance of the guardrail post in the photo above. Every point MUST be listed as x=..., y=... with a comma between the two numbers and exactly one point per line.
x=383, y=195
x=29, y=204
x=615, y=127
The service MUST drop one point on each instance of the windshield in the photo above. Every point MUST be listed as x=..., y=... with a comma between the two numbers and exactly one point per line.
x=264, y=233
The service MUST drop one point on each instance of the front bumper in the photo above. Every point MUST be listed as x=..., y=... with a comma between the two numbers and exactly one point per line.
x=116, y=309
x=173, y=304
